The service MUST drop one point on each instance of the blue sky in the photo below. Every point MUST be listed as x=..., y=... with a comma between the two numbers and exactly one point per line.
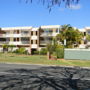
x=15, y=13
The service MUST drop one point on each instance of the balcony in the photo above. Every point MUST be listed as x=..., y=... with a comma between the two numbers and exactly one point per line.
x=25, y=35
x=2, y=35
x=45, y=34
x=44, y=42
x=25, y=42
x=4, y=42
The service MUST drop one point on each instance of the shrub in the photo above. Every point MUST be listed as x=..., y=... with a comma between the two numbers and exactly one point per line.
x=60, y=52
x=43, y=51
x=20, y=51
x=36, y=52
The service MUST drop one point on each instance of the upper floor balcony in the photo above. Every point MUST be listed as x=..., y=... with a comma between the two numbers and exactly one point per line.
x=25, y=42
x=25, y=35
x=4, y=42
x=46, y=34
x=2, y=35
x=15, y=35
x=45, y=42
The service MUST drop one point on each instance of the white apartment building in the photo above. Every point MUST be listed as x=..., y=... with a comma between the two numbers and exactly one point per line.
x=31, y=38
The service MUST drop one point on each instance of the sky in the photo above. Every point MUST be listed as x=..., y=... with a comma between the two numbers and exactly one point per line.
x=14, y=13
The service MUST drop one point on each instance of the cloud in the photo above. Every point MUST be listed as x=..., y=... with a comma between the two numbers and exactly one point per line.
x=75, y=7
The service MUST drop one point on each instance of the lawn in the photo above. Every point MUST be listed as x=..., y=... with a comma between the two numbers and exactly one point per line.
x=39, y=59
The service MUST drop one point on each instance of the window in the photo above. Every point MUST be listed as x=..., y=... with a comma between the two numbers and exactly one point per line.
x=50, y=31
x=36, y=32
x=36, y=41
x=17, y=31
x=31, y=41
x=56, y=30
x=31, y=32
x=84, y=33
x=15, y=39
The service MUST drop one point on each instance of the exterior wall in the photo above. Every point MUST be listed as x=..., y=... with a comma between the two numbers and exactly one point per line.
x=1, y=49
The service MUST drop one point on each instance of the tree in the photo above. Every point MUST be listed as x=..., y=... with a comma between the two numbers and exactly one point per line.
x=5, y=47
x=72, y=35
x=51, y=3
x=88, y=37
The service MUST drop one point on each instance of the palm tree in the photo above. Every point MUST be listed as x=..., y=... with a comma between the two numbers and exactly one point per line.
x=72, y=35
x=62, y=36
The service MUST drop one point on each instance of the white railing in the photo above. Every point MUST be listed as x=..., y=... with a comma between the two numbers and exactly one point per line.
x=2, y=35
x=46, y=34
x=25, y=42
x=44, y=42
x=25, y=35
x=4, y=42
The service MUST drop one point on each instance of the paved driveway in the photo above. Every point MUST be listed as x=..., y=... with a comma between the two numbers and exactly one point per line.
x=35, y=77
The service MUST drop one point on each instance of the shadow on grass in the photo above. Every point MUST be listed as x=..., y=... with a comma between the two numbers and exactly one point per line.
x=46, y=78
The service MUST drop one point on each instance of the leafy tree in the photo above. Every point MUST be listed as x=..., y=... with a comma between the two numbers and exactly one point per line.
x=72, y=35
x=88, y=37
x=5, y=47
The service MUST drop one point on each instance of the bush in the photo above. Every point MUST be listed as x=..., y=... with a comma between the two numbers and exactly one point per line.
x=43, y=51
x=60, y=52
x=36, y=52
x=21, y=51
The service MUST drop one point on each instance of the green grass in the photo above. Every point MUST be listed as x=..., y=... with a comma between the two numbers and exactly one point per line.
x=39, y=59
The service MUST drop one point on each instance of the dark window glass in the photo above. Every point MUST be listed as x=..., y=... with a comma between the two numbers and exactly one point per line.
x=56, y=30
x=17, y=39
x=14, y=39
x=36, y=32
x=36, y=41
x=31, y=41
x=31, y=32
x=17, y=31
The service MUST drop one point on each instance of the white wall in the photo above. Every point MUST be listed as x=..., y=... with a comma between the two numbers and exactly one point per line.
x=34, y=46
x=34, y=37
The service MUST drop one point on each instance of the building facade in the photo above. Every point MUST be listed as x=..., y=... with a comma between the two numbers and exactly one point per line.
x=32, y=39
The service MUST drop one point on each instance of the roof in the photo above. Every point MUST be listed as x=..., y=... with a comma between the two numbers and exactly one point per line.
x=51, y=26
x=87, y=28
x=15, y=28
x=82, y=30
x=34, y=29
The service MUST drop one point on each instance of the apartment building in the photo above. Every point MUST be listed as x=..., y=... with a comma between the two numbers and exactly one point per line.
x=31, y=38
x=18, y=36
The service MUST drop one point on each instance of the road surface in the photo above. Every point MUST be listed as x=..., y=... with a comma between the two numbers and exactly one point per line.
x=36, y=77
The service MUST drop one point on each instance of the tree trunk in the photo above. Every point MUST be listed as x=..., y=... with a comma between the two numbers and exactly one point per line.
x=48, y=55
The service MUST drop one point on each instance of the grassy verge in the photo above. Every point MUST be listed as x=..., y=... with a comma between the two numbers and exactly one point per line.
x=38, y=59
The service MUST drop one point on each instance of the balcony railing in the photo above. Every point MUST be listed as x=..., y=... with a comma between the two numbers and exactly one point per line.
x=46, y=34
x=2, y=35
x=25, y=42
x=4, y=42
x=44, y=42
x=25, y=35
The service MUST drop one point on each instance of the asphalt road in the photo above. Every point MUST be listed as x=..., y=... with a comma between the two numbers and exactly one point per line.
x=36, y=77
x=6, y=67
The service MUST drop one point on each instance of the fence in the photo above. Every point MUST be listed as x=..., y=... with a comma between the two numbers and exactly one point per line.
x=77, y=54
